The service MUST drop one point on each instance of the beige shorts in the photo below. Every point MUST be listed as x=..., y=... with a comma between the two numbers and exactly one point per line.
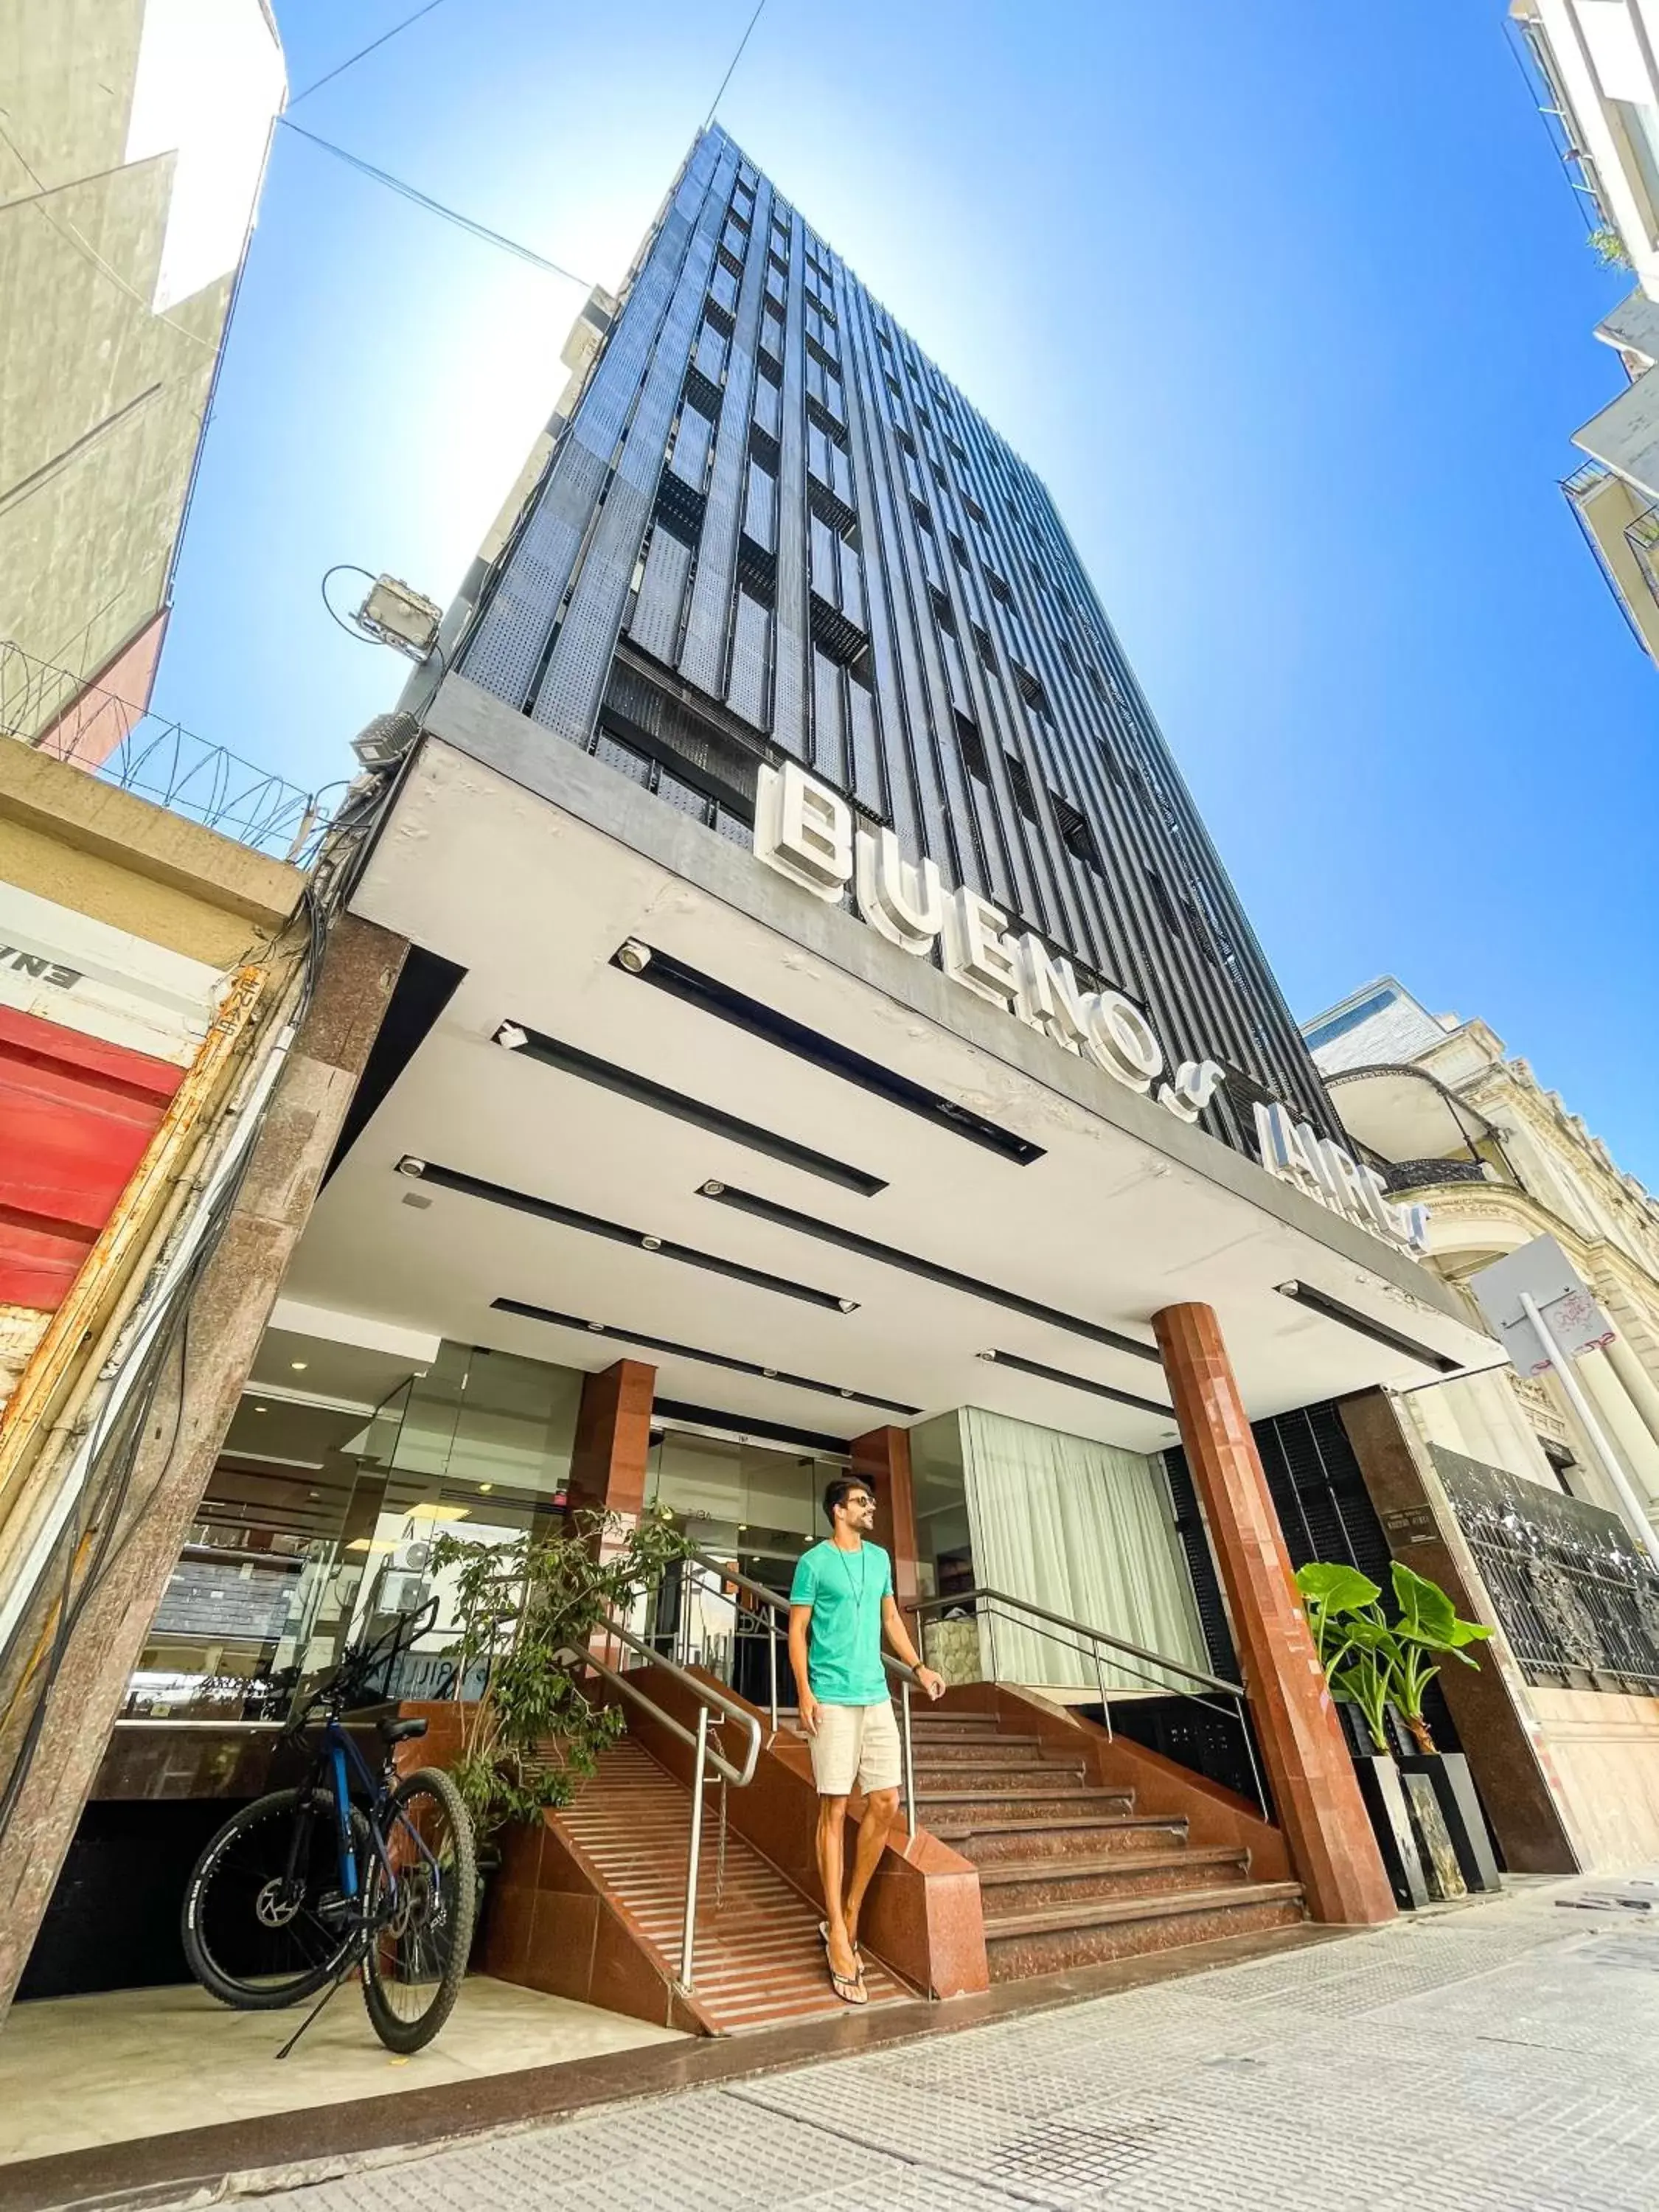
x=855, y=1744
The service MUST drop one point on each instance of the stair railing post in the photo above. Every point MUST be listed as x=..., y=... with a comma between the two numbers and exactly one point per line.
x=1249, y=1752
x=772, y=1667
x=909, y=1764
x=688, y=1939
x=991, y=1634
x=1105, y=1702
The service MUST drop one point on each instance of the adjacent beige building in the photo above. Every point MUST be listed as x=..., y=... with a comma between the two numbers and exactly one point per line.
x=133, y=136
x=1531, y=1517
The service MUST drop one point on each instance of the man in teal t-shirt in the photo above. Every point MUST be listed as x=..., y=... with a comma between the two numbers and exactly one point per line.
x=840, y=1603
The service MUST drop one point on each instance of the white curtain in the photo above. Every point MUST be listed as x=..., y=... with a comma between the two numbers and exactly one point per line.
x=1085, y=1530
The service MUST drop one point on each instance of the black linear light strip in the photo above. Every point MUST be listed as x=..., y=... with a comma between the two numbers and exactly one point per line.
x=1333, y=1309
x=693, y=1351
x=745, y=1425
x=566, y=1216
x=532, y=1044
x=784, y=1217
x=1078, y=1382
x=696, y=989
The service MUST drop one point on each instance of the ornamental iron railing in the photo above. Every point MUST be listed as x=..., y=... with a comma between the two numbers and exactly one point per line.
x=1579, y=1603
x=1418, y=1174
x=53, y=712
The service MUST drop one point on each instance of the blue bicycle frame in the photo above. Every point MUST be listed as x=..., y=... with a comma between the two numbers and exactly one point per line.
x=342, y=1754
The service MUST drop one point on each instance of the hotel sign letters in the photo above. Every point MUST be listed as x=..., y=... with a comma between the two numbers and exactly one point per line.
x=1294, y=1152
x=808, y=834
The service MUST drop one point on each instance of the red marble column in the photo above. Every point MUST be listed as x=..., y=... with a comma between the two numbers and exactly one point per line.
x=882, y=1458
x=1315, y=1790
x=613, y=1438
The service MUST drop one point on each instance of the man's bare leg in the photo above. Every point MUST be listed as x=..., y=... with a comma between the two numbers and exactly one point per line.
x=879, y=1809
x=832, y=1823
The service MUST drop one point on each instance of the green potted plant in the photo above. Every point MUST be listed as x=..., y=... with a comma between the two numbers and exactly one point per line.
x=530, y=1730
x=1361, y=1660
x=1424, y=1808
x=1428, y=1631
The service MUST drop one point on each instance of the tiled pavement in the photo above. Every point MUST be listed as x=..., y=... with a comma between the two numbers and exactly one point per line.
x=1501, y=2057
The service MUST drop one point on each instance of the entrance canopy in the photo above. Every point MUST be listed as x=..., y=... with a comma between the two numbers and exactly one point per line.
x=639, y=1096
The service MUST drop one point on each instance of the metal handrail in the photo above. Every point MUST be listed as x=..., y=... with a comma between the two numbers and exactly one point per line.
x=708, y=1700
x=1079, y=1628
x=763, y=1594
x=1097, y=1641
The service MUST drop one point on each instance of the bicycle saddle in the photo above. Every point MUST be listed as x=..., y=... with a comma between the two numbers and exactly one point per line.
x=396, y=1731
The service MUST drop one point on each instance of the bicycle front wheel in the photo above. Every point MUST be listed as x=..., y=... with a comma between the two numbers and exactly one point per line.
x=257, y=1931
x=421, y=1913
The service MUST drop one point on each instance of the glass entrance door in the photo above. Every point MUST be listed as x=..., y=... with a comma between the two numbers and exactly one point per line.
x=751, y=1508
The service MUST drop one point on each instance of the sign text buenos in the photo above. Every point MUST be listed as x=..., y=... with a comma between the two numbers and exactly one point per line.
x=808, y=834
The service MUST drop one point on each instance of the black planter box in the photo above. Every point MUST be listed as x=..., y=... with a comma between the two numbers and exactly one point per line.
x=1460, y=1808
x=1391, y=1824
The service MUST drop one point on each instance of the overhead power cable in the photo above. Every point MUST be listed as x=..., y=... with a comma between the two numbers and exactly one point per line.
x=735, y=59
x=351, y=60
x=436, y=207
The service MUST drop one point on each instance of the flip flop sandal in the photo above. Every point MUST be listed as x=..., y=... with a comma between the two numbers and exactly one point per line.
x=824, y=1937
x=849, y=1988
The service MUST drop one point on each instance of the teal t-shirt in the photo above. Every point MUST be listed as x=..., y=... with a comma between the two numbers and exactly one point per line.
x=845, y=1591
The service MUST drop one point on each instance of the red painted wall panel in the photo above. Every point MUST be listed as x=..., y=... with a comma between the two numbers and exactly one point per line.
x=76, y=1115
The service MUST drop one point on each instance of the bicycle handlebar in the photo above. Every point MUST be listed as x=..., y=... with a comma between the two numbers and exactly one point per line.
x=355, y=1665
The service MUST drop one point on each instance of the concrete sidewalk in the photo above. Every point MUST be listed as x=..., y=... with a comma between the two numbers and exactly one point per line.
x=1498, y=2058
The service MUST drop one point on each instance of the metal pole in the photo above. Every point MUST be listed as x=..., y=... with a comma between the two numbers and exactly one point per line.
x=1105, y=1703
x=991, y=1634
x=772, y=1667
x=690, y=1937
x=1249, y=1752
x=910, y=1766
x=1562, y=1365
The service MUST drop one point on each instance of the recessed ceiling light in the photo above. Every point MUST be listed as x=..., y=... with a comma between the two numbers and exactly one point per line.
x=299, y=1365
x=485, y=1488
x=262, y=1409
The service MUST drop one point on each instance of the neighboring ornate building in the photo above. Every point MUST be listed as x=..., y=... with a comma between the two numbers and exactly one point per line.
x=1526, y=1512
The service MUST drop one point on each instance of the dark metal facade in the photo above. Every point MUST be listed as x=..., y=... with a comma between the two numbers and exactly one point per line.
x=771, y=528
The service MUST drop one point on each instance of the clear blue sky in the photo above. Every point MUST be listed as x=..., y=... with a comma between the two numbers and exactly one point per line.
x=1290, y=305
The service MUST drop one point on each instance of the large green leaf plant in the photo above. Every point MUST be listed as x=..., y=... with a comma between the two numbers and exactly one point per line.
x=523, y=1612
x=1371, y=1663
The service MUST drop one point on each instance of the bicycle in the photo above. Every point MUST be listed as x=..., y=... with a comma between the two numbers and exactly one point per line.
x=304, y=1885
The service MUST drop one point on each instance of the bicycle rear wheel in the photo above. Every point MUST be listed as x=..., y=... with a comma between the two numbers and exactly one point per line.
x=253, y=1934
x=423, y=1918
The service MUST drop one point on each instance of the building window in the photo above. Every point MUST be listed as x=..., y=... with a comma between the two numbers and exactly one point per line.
x=1075, y=833
x=973, y=507
x=1163, y=902
x=999, y=587
x=959, y=549
x=1020, y=783
x=924, y=518
x=943, y=613
x=988, y=652
x=1031, y=691
x=971, y=746
x=1563, y=1465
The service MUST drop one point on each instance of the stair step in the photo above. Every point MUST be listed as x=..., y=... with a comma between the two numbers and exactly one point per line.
x=1028, y=1884
x=1034, y=1802
x=1000, y=1774
x=988, y=1838
x=1053, y=1939
x=993, y=1754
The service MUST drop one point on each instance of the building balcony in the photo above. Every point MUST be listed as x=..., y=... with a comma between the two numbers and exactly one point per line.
x=1622, y=527
x=1423, y=1174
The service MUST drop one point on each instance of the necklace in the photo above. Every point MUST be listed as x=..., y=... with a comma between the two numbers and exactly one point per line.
x=857, y=1596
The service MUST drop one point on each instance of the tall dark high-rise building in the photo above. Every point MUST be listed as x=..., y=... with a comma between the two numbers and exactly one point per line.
x=769, y=527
